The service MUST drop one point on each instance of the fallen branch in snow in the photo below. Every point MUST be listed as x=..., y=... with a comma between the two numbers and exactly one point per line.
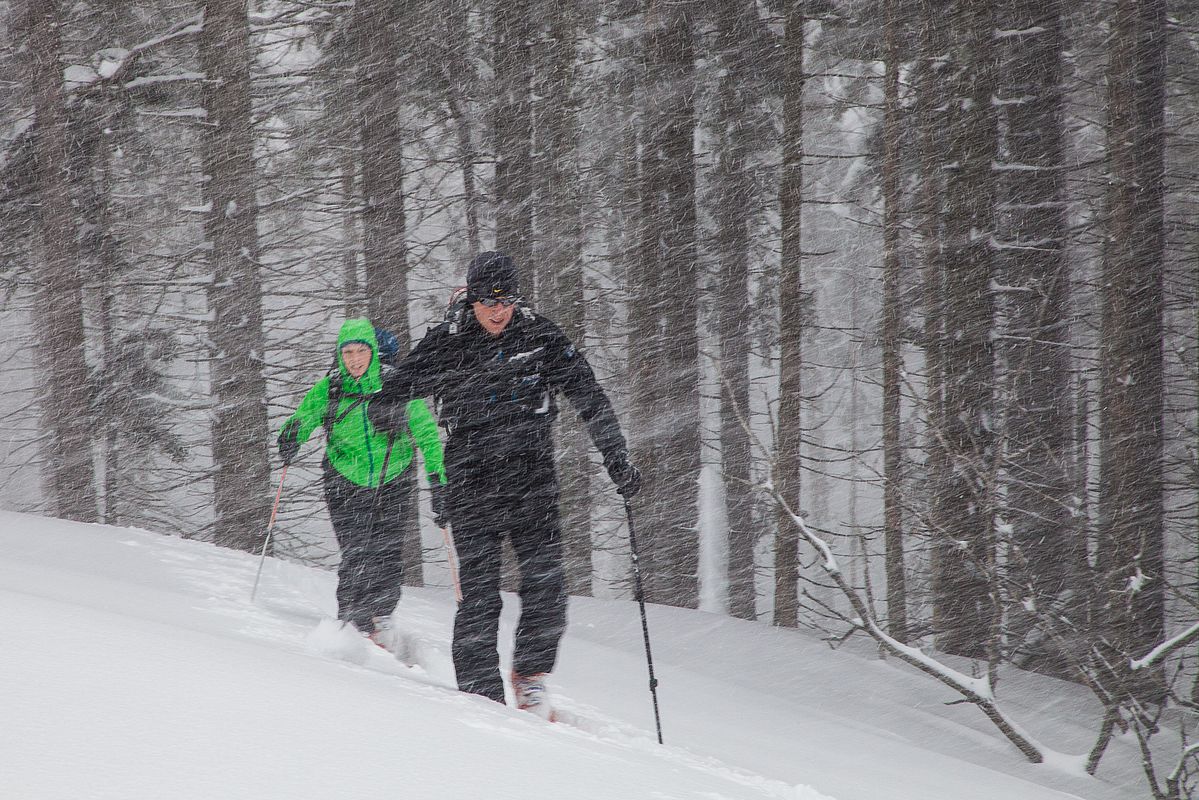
x=977, y=691
x=973, y=690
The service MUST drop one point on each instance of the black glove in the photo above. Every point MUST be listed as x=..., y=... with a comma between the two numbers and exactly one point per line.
x=289, y=442
x=437, y=499
x=626, y=477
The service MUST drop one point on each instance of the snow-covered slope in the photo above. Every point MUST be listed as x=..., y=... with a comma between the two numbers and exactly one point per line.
x=133, y=665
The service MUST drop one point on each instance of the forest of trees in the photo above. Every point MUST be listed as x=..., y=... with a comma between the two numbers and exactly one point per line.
x=897, y=300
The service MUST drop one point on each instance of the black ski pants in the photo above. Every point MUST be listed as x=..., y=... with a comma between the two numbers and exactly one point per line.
x=523, y=507
x=368, y=523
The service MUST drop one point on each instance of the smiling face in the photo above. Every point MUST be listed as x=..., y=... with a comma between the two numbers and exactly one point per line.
x=493, y=318
x=357, y=357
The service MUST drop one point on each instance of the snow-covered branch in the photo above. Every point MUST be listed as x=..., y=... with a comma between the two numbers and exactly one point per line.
x=1159, y=653
x=973, y=690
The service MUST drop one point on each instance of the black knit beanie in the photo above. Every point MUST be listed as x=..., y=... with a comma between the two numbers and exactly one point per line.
x=491, y=274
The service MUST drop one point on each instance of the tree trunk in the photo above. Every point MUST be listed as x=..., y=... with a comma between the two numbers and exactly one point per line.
x=559, y=256
x=931, y=111
x=65, y=400
x=645, y=342
x=384, y=222
x=351, y=283
x=963, y=604
x=512, y=127
x=664, y=345
x=736, y=26
x=672, y=60
x=789, y=438
x=897, y=617
x=458, y=83
x=1131, y=480
x=241, y=472
x=1051, y=557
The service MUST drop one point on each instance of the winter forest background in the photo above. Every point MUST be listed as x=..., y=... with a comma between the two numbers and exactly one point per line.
x=924, y=273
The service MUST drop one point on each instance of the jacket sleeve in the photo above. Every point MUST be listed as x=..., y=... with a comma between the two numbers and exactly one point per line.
x=415, y=376
x=423, y=426
x=572, y=373
x=311, y=413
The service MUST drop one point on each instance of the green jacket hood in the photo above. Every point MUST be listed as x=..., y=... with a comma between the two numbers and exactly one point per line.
x=359, y=330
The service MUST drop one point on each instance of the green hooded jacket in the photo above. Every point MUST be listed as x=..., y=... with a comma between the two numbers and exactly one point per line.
x=354, y=448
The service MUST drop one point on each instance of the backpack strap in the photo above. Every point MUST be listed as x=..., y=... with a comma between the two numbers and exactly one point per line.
x=333, y=401
x=456, y=314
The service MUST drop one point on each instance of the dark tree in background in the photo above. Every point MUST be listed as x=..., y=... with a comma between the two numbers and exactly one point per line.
x=558, y=257
x=1048, y=561
x=64, y=399
x=965, y=604
x=456, y=86
x=789, y=427
x=738, y=34
x=932, y=98
x=1131, y=514
x=897, y=616
x=241, y=475
x=376, y=46
x=511, y=118
x=669, y=384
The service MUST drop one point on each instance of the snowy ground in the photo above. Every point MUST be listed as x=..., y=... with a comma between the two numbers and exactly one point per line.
x=133, y=665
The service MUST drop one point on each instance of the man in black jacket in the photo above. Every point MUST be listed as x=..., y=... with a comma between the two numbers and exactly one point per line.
x=494, y=367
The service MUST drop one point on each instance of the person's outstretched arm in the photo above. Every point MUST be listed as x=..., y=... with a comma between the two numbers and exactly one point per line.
x=577, y=379
x=415, y=376
x=300, y=425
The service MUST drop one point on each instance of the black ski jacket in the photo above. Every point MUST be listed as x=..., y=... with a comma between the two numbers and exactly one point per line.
x=496, y=394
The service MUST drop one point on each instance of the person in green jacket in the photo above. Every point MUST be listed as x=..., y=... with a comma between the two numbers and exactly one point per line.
x=367, y=503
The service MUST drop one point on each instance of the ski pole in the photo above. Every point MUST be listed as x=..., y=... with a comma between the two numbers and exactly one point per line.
x=377, y=501
x=269, y=528
x=640, y=594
